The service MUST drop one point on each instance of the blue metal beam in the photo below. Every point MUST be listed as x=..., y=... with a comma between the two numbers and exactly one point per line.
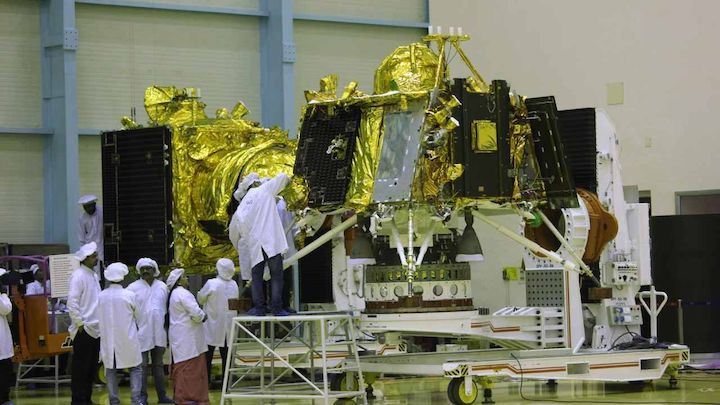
x=361, y=21
x=59, y=40
x=28, y=131
x=277, y=59
x=176, y=7
x=90, y=131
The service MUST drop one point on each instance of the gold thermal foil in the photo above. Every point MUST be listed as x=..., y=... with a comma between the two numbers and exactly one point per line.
x=408, y=69
x=365, y=159
x=328, y=89
x=209, y=155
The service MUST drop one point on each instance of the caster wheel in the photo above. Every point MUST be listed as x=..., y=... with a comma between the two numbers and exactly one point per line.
x=339, y=382
x=458, y=396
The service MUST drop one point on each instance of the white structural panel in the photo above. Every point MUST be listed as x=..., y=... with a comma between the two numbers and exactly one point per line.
x=352, y=51
x=124, y=50
x=21, y=188
x=20, y=64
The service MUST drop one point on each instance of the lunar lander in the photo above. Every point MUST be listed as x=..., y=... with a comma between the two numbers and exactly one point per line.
x=423, y=158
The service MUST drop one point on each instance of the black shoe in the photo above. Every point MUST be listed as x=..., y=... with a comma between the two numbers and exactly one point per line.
x=255, y=311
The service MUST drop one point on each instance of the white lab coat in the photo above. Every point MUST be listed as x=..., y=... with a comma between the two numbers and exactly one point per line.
x=214, y=297
x=286, y=218
x=152, y=303
x=90, y=229
x=118, y=314
x=259, y=222
x=241, y=246
x=6, y=344
x=36, y=288
x=82, y=301
x=187, y=338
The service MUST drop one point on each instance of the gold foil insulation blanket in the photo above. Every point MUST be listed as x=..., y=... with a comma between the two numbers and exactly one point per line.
x=408, y=69
x=365, y=159
x=209, y=155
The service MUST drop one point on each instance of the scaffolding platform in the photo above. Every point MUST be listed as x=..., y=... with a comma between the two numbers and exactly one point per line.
x=310, y=356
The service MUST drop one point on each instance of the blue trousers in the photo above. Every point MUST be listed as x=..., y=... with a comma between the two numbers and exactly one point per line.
x=113, y=381
x=276, y=283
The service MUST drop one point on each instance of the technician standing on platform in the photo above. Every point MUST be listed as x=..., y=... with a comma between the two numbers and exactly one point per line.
x=219, y=298
x=239, y=243
x=118, y=315
x=6, y=346
x=84, y=330
x=262, y=229
x=151, y=295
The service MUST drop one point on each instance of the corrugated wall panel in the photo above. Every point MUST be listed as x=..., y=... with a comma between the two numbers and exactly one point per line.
x=90, y=166
x=20, y=64
x=401, y=10
x=123, y=50
x=351, y=51
x=21, y=188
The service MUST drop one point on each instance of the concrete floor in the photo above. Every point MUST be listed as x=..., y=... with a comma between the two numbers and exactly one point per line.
x=693, y=388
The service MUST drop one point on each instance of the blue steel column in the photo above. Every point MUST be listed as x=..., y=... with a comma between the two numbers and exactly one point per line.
x=277, y=56
x=59, y=110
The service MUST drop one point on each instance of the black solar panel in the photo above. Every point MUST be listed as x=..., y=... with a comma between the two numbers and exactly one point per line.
x=577, y=131
x=137, y=195
x=551, y=153
x=325, y=150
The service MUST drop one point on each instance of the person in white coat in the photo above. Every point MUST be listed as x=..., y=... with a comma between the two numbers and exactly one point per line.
x=260, y=225
x=240, y=244
x=152, y=295
x=187, y=342
x=40, y=286
x=90, y=226
x=220, y=298
x=84, y=328
x=118, y=314
x=6, y=346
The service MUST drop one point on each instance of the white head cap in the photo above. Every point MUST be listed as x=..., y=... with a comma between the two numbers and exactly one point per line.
x=34, y=268
x=116, y=272
x=87, y=199
x=85, y=251
x=174, y=277
x=147, y=262
x=225, y=268
x=245, y=185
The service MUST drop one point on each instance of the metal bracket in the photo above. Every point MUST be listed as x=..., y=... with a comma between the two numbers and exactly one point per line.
x=70, y=39
x=288, y=55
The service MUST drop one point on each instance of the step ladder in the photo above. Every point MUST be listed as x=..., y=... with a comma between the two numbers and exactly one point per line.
x=310, y=356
